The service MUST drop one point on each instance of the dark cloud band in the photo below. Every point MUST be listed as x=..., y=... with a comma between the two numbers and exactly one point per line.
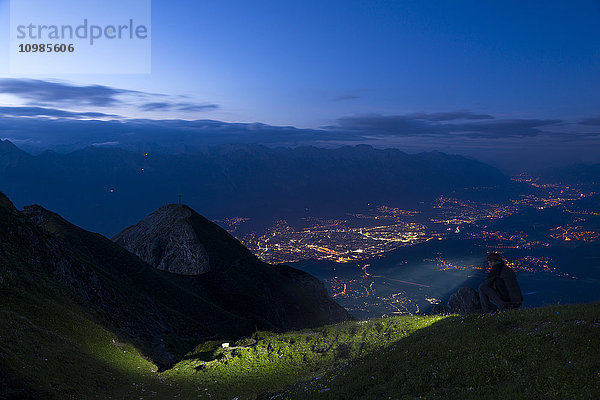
x=55, y=94
x=167, y=106
x=45, y=92
x=438, y=124
x=49, y=112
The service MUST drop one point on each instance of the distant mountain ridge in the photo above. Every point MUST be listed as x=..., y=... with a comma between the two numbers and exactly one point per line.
x=576, y=173
x=105, y=189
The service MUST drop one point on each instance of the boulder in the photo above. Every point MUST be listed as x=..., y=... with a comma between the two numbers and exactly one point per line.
x=464, y=301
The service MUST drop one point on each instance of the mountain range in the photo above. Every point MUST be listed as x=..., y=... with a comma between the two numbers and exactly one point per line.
x=104, y=189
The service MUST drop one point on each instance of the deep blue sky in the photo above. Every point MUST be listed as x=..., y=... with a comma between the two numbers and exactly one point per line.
x=311, y=64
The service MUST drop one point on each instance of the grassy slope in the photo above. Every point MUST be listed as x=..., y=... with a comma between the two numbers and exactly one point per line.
x=56, y=352
x=552, y=352
x=50, y=347
x=278, y=360
x=546, y=353
x=543, y=353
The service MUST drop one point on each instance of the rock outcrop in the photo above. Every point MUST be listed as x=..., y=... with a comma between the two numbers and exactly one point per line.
x=464, y=301
x=166, y=240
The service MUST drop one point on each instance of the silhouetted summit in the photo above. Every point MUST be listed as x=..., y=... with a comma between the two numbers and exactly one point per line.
x=177, y=239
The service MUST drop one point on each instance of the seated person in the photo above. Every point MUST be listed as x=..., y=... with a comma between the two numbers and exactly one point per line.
x=500, y=286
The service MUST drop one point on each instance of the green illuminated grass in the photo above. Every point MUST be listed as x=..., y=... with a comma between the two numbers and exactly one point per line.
x=55, y=351
x=538, y=353
x=277, y=360
x=58, y=352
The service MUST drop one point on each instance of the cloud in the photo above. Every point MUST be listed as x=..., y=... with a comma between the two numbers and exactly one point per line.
x=459, y=131
x=49, y=112
x=170, y=134
x=590, y=121
x=170, y=106
x=156, y=106
x=197, y=107
x=384, y=124
x=106, y=144
x=346, y=97
x=435, y=124
x=46, y=92
x=449, y=116
x=503, y=128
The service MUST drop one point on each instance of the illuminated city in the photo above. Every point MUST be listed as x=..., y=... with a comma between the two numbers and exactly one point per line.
x=357, y=239
x=361, y=236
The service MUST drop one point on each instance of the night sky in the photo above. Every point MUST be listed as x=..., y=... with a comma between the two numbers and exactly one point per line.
x=499, y=81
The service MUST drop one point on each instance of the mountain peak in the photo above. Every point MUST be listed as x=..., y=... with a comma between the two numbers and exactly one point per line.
x=7, y=144
x=167, y=240
x=10, y=155
x=5, y=202
x=175, y=238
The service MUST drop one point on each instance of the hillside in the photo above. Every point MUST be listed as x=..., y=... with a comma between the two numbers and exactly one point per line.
x=545, y=353
x=46, y=263
x=539, y=353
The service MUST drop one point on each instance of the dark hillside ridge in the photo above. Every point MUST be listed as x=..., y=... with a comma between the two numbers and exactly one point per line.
x=49, y=261
x=162, y=316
